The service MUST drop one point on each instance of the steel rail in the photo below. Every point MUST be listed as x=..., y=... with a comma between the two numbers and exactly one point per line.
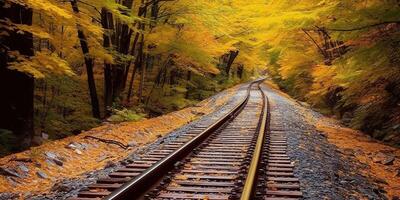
x=136, y=187
x=249, y=185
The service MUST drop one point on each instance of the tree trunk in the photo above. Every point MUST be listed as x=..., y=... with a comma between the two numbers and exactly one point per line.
x=232, y=56
x=157, y=81
x=108, y=91
x=117, y=78
x=89, y=62
x=132, y=53
x=173, y=75
x=188, y=78
x=142, y=74
x=240, y=71
x=138, y=61
x=154, y=14
x=130, y=89
x=16, y=102
x=123, y=41
x=107, y=24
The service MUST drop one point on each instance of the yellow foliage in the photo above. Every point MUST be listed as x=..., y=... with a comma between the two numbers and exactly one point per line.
x=49, y=7
x=323, y=79
x=35, y=30
x=41, y=64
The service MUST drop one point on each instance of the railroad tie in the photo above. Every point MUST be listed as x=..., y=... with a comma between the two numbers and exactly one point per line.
x=281, y=181
x=215, y=169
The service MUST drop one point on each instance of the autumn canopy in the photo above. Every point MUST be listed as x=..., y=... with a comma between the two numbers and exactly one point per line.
x=75, y=63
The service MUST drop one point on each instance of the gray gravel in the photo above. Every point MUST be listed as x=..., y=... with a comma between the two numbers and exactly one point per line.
x=323, y=170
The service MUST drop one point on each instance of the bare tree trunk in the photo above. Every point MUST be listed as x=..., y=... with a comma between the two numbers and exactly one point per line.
x=142, y=56
x=240, y=71
x=157, y=81
x=188, y=78
x=130, y=89
x=232, y=57
x=142, y=74
x=108, y=89
x=107, y=23
x=122, y=43
x=89, y=62
x=132, y=52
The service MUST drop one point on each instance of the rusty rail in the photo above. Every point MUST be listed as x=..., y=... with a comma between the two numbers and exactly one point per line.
x=142, y=183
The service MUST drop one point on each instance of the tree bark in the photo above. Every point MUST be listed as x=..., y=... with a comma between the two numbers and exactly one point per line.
x=142, y=74
x=157, y=81
x=232, y=57
x=107, y=24
x=142, y=11
x=130, y=89
x=89, y=62
x=108, y=99
x=123, y=41
x=17, y=88
x=240, y=71
x=188, y=78
x=132, y=53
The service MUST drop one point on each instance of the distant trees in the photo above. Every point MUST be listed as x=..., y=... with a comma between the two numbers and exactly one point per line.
x=341, y=57
x=90, y=58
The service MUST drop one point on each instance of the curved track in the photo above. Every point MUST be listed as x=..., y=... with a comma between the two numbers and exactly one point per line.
x=217, y=169
x=232, y=157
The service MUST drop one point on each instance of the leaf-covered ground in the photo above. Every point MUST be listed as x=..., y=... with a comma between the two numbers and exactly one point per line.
x=374, y=154
x=78, y=155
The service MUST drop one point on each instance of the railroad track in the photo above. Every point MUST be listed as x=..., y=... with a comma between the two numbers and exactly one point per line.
x=233, y=157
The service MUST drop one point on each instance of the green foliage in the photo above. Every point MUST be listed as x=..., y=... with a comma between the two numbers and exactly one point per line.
x=175, y=102
x=169, y=98
x=62, y=107
x=125, y=115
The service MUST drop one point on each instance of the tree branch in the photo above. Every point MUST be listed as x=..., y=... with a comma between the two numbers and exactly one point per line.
x=315, y=42
x=94, y=7
x=363, y=27
x=107, y=141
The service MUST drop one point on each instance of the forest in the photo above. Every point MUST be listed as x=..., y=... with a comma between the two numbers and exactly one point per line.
x=69, y=66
